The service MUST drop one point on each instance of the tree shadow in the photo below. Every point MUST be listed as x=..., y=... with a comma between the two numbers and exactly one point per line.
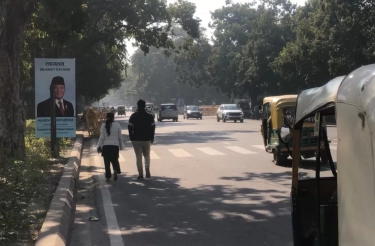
x=161, y=212
x=276, y=178
x=183, y=137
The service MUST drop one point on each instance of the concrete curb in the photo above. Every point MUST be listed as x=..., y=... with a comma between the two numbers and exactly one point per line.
x=55, y=230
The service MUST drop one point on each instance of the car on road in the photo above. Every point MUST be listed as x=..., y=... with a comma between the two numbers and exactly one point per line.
x=150, y=109
x=192, y=111
x=229, y=112
x=121, y=110
x=168, y=111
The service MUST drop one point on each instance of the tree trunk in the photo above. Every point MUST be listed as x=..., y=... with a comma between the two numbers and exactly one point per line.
x=14, y=17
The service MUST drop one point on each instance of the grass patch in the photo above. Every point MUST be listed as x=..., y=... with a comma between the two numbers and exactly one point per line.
x=27, y=187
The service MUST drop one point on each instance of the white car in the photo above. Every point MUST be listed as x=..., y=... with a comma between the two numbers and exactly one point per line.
x=168, y=111
x=229, y=112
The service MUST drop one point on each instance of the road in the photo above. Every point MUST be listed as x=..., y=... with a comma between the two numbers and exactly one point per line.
x=212, y=184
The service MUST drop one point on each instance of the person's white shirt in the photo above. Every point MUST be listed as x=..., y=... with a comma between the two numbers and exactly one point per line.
x=114, y=139
x=62, y=103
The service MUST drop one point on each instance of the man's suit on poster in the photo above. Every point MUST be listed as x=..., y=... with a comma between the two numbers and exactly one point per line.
x=43, y=109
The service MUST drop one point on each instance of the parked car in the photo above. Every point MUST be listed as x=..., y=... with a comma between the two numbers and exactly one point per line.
x=192, y=111
x=150, y=109
x=229, y=112
x=168, y=111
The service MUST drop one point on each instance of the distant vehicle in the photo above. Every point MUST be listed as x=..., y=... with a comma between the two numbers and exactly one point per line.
x=134, y=108
x=168, y=111
x=192, y=111
x=121, y=110
x=245, y=105
x=150, y=109
x=229, y=112
x=111, y=109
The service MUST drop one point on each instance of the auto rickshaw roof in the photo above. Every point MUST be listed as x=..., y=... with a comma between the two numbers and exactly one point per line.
x=311, y=100
x=280, y=101
x=358, y=89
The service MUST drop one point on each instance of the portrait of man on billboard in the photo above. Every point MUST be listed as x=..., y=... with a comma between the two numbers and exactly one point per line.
x=63, y=108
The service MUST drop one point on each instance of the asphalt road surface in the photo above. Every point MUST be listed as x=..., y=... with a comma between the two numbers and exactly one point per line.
x=212, y=184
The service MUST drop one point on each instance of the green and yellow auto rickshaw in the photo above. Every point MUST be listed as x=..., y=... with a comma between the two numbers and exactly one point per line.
x=278, y=112
x=121, y=110
x=335, y=206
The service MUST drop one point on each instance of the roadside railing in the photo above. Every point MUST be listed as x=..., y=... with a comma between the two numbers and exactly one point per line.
x=209, y=110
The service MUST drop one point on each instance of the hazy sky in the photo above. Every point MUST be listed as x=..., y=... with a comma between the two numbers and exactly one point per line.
x=204, y=7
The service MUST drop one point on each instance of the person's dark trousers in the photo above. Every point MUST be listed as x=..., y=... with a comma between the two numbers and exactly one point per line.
x=110, y=155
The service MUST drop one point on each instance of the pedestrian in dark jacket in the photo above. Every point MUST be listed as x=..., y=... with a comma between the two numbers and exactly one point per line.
x=141, y=129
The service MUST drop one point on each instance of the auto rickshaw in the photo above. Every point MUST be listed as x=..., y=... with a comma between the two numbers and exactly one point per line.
x=121, y=110
x=279, y=111
x=337, y=209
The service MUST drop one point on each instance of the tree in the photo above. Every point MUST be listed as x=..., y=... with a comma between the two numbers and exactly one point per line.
x=191, y=61
x=230, y=36
x=332, y=39
x=268, y=34
x=14, y=16
x=163, y=76
x=247, y=40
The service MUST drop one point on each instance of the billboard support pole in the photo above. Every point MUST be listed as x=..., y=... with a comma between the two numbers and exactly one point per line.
x=53, y=122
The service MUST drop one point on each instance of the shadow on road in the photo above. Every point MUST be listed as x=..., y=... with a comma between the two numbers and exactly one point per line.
x=306, y=164
x=161, y=212
x=183, y=137
x=277, y=178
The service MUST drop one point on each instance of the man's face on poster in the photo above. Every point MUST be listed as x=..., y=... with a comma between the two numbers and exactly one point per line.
x=59, y=91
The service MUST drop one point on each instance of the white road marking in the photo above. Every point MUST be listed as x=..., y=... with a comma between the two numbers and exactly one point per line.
x=258, y=146
x=180, y=153
x=333, y=147
x=114, y=231
x=240, y=150
x=226, y=143
x=153, y=155
x=210, y=151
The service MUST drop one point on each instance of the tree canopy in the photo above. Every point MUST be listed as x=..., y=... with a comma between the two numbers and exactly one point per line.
x=276, y=48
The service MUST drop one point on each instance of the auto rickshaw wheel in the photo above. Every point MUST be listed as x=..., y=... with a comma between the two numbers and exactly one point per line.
x=324, y=157
x=278, y=158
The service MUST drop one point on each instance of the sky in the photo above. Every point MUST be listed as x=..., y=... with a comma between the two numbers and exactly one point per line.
x=204, y=7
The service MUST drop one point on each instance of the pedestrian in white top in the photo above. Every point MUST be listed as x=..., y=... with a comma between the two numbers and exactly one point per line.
x=110, y=144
